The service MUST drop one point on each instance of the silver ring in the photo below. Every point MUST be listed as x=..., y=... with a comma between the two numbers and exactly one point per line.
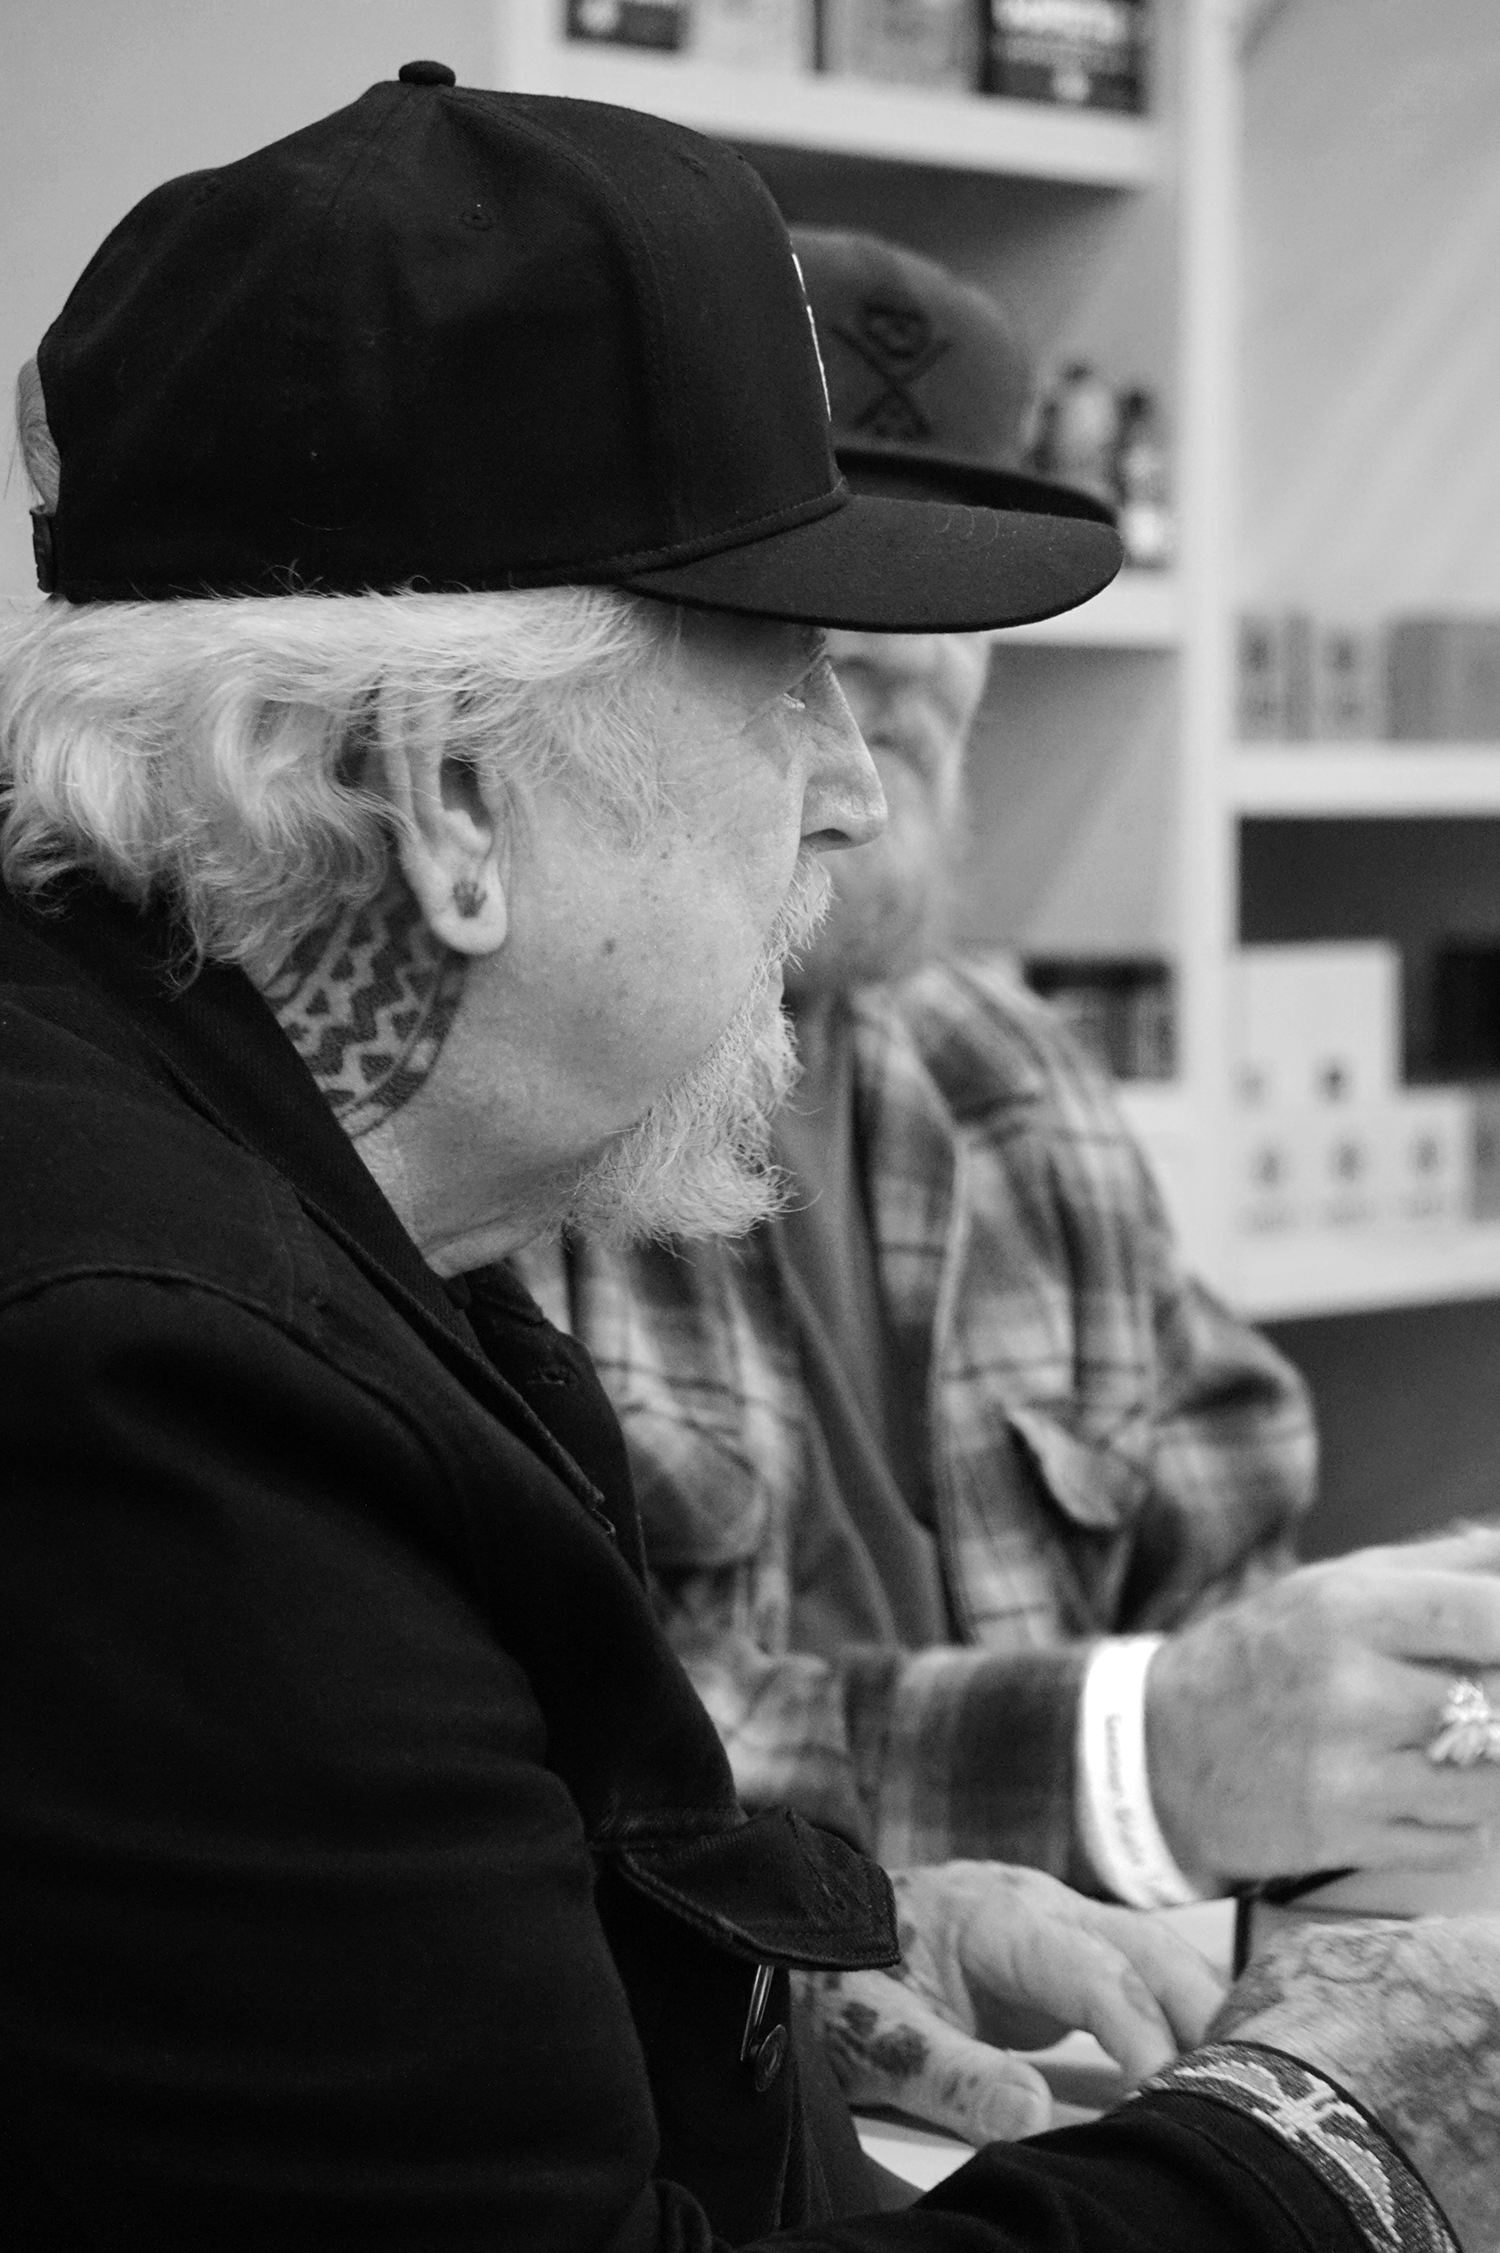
x=1468, y=1729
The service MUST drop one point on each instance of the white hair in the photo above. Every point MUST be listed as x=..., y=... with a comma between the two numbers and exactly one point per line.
x=214, y=751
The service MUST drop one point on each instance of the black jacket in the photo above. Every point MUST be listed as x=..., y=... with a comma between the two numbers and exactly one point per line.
x=372, y=1875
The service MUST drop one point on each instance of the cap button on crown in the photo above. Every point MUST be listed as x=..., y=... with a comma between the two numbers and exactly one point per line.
x=427, y=74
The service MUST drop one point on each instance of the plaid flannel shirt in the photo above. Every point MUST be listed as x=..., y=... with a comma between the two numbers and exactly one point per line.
x=1109, y=1450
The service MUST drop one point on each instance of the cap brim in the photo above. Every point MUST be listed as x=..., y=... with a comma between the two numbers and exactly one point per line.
x=889, y=565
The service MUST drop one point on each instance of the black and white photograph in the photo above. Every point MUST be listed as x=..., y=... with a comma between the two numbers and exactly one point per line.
x=750, y=1126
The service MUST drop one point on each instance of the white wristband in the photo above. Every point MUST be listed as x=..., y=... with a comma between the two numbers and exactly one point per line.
x=1115, y=1812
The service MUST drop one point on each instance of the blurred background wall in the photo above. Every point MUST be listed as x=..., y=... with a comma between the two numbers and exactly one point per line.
x=1371, y=440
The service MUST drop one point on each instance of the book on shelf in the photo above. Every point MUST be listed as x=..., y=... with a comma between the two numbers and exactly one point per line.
x=1082, y=54
x=660, y=25
x=1270, y=663
x=1485, y=1150
x=753, y=34
x=1306, y=679
x=1346, y=683
x=1444, y=680
x=1120, y=1008
x=932, y=44
x=1072, y=54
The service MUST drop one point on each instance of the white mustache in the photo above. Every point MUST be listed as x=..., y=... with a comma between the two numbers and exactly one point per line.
x=801, y=913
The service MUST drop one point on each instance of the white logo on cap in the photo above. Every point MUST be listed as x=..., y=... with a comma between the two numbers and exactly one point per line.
x=813, y=328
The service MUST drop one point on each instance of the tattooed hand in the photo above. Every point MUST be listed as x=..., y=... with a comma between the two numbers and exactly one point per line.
x=1407, y=2016
x=888, y=2047
x=995, y=1958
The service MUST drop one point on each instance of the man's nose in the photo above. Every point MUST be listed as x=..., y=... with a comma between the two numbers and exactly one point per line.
x=845, y=802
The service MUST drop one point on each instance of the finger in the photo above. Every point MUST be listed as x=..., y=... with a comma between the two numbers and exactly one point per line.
x=889, y=2047
x=1418, y=1846
x=1090, y=1982
x=1130, y=1980
x=1186, y=1987
x=1415, y=1712
x=1412, y=1696
x=983, y=2095
x=1446, y=1618
x=1472, y=1545
x=1411, y=1788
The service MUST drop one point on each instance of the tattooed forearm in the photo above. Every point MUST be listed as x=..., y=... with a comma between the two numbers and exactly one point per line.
x=1403, y=2015
x=1343, y=1954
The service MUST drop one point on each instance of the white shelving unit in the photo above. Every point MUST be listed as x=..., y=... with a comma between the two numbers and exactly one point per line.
x=1329, y=1274
x=840, y=116
x=1352, y=781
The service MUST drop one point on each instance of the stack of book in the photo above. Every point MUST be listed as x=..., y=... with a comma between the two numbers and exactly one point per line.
x=1410, y=680
x=1082, y=54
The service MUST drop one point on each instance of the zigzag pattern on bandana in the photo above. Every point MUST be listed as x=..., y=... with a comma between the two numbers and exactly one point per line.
x=368, y=1006
x=1328, y=2130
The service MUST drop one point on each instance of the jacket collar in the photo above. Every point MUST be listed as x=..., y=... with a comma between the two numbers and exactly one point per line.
x=220, y=1044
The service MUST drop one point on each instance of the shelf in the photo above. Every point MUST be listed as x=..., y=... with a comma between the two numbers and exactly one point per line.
x=1351, y=780
x=1319, y=1273
x=1139, y=610
x=845, y=116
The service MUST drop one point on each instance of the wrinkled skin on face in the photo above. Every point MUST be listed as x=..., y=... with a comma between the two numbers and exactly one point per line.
x=914, y=697
x=615, y=1051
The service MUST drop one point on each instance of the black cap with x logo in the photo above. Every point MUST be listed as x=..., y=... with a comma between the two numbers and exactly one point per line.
x=930, y=380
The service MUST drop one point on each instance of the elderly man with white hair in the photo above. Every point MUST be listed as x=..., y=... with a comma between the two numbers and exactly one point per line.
x=412, y=789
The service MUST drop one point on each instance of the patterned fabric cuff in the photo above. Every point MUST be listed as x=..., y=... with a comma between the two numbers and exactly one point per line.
x=1327, y=2130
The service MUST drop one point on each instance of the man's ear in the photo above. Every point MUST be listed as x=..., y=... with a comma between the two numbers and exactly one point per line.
x=453, y=843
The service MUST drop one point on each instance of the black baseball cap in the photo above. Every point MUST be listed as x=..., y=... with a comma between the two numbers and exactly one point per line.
x=450, y=339
x=931, y=380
